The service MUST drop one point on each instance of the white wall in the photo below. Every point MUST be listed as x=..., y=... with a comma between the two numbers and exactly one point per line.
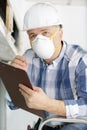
x=75, y=24
x=75, y=29
x=19, y=119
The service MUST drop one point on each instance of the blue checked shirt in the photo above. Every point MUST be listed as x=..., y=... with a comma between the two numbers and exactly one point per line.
x=63, y=79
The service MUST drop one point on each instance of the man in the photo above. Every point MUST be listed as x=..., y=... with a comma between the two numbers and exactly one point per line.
x=57, y=71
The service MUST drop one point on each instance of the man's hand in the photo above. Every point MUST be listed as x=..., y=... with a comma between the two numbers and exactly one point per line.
x=20, y=62
x=35, y=98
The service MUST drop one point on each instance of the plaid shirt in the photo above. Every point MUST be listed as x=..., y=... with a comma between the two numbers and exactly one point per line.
x=63, y=79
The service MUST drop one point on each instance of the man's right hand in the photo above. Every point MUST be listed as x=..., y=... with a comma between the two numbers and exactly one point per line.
x=20, y=62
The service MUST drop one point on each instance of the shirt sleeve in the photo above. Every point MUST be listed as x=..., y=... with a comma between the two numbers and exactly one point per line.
x=9, y=102
x=11, y=105
x=78, y=107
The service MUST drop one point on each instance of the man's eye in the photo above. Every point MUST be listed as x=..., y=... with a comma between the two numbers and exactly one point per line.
x=45, y=33
x=32, y=37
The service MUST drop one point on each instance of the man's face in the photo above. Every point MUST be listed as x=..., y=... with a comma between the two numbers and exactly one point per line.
x=46, y=31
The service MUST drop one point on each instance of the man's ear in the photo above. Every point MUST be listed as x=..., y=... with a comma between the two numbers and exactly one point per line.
x=60, y=33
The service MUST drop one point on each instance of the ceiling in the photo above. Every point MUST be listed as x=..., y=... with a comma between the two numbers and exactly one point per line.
x=63, y=2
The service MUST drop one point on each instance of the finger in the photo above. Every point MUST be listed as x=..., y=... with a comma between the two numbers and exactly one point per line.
x=23, y=93
x=18, y=66
x=26, y=89
x=20, y=60
x=37, y=89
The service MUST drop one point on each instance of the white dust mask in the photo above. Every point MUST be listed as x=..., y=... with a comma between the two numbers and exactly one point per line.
x=43, y=46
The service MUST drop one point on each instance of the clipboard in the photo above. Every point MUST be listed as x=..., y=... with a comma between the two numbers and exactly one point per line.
x=11, y=78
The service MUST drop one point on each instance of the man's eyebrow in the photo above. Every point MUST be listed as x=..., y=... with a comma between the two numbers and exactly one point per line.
x=32, y=33
x=46, y=29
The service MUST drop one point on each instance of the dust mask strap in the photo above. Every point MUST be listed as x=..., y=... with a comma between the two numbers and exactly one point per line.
x=54, y=35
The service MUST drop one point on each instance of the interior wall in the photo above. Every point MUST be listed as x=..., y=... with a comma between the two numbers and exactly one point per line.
x=74, y=24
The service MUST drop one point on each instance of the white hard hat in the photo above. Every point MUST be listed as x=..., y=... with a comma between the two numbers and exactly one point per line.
x=41, y=15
